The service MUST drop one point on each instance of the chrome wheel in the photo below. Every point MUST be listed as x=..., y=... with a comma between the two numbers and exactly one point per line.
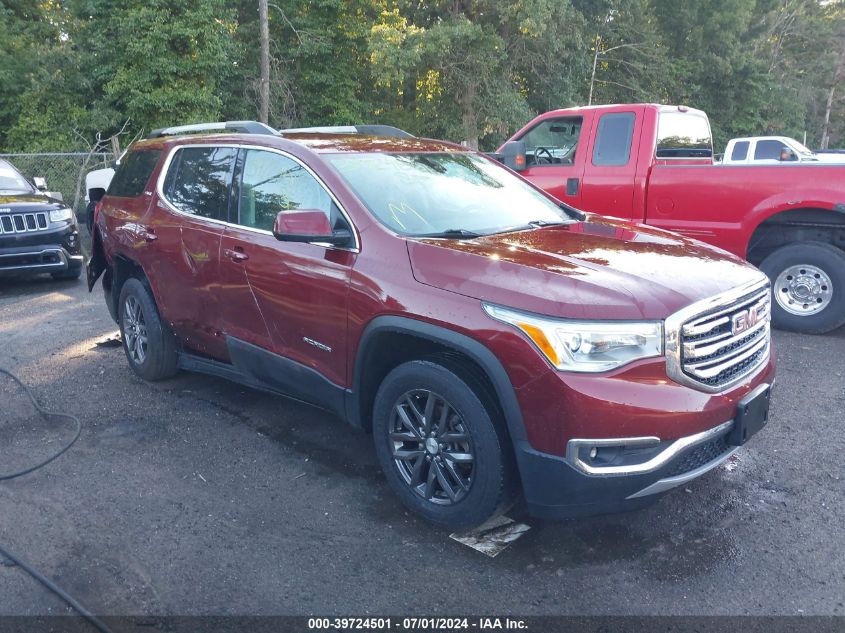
x=135, y=330
x=431, y=447
x=803, y=290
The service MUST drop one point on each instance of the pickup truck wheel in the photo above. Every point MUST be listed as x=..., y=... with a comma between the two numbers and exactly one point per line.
x=808, y=287
x=438, y=446
x=148, y=343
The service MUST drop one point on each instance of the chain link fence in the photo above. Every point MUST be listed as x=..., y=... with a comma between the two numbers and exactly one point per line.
x=64, y=172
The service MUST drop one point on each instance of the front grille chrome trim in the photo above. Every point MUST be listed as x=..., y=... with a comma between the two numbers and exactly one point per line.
x=29, y=222
x=693, y=358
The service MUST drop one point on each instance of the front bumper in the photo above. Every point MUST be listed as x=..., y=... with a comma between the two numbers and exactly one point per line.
x=637, y=471
x=554, y=489
x=43, y=252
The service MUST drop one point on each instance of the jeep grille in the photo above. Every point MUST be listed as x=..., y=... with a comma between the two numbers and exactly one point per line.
x=23, y=222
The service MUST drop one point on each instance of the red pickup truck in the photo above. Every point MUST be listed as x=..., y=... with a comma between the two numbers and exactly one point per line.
x=654, y=164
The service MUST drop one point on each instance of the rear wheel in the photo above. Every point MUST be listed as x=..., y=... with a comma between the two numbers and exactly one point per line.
x=148, y=343
x=808, y=287
x=439, y=447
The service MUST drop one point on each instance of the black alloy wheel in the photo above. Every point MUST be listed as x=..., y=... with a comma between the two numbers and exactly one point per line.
x=431, y=447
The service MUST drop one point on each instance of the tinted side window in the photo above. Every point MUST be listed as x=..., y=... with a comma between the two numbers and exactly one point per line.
x=768, y=150
x=740, y=150
x=134, y=173
x=552, y=141
x=198, y=180
x=272, y=183
x=613, y=140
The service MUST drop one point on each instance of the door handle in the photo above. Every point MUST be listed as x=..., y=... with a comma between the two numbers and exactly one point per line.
x=148, y=235
x=572, y=186
x=235, y=255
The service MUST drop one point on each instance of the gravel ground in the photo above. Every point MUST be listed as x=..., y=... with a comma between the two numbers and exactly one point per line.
x=198, y=496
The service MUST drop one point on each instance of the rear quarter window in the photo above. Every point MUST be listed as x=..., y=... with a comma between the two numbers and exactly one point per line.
x=134, y=172
x=740, y=150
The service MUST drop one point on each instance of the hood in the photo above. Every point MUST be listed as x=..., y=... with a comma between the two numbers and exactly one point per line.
x=596, y=269
x=27, y=202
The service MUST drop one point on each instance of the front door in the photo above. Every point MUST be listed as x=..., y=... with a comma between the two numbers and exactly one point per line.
x=610, y=183
x=300, y=289
x=555, y=149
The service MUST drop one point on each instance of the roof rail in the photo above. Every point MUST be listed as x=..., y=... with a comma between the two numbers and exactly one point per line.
x=367, y=130
x=240, y=127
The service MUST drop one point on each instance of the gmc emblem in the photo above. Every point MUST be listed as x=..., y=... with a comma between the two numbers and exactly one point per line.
x=744, y=320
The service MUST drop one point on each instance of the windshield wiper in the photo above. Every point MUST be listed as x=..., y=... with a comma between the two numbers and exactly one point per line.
x=543, y=223
x=455, y=234
x=572, y=212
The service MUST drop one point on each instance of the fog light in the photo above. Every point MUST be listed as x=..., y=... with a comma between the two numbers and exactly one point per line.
x=593, y=452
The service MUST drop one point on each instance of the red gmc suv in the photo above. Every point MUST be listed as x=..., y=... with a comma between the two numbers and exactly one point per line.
x=491, y=338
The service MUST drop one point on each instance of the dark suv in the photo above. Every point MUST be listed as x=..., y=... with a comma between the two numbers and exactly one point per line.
x=492, y=339
x=38, y=234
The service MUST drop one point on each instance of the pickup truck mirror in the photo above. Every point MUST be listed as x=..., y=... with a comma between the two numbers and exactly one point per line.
x=308, y=225
x=40, y=183
x=787, y=155
x=513, y=155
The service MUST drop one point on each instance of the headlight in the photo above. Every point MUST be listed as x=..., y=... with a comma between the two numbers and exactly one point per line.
x=61, y=215
x=586, y=346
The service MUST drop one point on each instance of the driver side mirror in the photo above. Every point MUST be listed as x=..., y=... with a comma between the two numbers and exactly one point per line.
x=308, y=225
x=40, y=183
x=513, y=155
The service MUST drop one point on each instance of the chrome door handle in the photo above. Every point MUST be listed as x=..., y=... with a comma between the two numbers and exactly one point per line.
x=235, y=256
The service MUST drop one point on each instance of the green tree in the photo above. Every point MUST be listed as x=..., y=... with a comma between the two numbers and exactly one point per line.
x=466, y=68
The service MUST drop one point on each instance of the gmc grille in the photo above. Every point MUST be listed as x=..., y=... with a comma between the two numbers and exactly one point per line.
x=23, y=222
x=726, y=344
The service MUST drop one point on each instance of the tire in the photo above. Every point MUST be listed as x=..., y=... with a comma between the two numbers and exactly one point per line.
x=89, y=216
x=487, y=479
x=148, y=343
x=808, y=287
x=66, y=275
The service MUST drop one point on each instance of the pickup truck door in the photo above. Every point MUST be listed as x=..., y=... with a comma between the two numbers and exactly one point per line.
x=555, y=149
x=610, y=175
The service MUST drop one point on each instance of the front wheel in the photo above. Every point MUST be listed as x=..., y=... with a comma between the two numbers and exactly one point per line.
x=439, y=447
x=808, y=287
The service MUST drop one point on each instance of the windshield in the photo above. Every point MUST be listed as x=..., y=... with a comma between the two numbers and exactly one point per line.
x=11, y=180
x=457, y=193
x=802, y=149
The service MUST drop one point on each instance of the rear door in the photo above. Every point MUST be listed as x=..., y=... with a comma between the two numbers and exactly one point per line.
x=608, y=181
x=192, y=211
x=555, y=150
